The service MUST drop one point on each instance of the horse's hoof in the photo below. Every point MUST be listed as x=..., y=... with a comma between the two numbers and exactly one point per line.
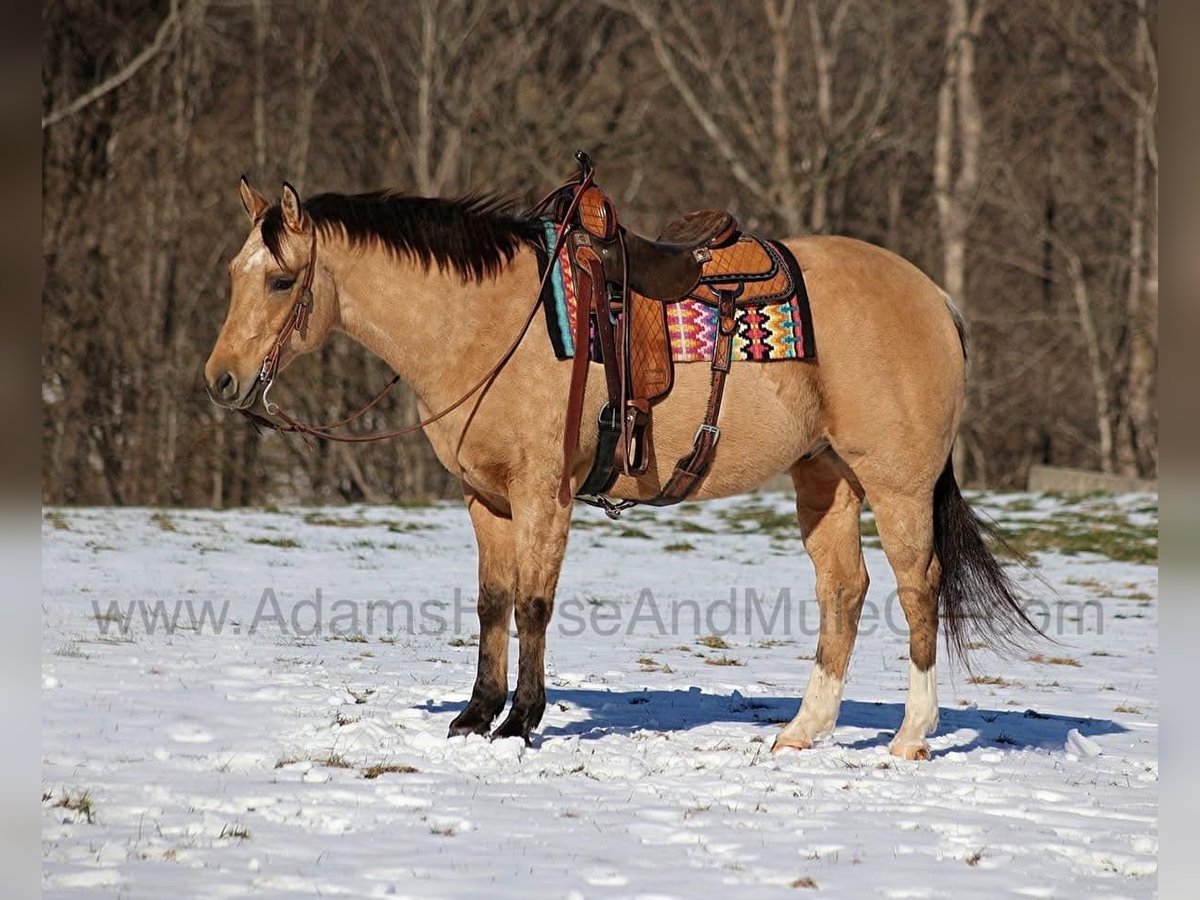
x=513, y=726
x=784, y=742
x=469, y=722
x=914, y=750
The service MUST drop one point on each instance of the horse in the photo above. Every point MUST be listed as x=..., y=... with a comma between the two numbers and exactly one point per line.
x=443, y=291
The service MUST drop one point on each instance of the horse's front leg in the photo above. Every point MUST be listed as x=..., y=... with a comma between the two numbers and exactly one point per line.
x=494, y=531
x=541, y=540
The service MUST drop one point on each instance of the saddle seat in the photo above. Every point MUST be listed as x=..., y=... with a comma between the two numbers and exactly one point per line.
x=667, y=269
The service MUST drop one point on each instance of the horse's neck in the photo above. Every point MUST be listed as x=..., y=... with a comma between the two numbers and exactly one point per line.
x=439, y=334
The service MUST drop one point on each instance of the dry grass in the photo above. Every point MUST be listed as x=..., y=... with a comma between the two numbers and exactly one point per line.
x=723, y=660
x=713, y=642
x=1055, y=660
x=331, y=761
x=80, y=803
x=163, y=521
x=995, y=680
x=284, y=543
x=57, y=520
x=373, y=772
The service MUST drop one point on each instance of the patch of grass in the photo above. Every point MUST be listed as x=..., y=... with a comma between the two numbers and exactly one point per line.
x=163, y=521
x=679, y=547
x=1055, y=660
x=72, y=650
x=974, y=858
x=373, y=772
x=995, y=680
x=56, y=520
x=330, y=761
x=334, y=521
x=751, y=518
x=236, y=830
x=472, y=641
x=285, y=543
x=630, y=532
x=406, y=527
x=713, y=642
x=350, y=637
x=342, y=720
x=723, y=660
x=692, y=527
x=1112, y=536
x=650, y=664
x=1126, y=708
x=80, y=803
x=805, y=882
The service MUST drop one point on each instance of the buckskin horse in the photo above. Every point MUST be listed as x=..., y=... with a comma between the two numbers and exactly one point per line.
x=445, y=291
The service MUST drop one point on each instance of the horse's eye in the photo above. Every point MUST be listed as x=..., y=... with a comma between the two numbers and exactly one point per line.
x=282, y=283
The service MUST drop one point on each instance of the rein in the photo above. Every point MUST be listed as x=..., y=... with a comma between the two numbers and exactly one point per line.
x=297, y=321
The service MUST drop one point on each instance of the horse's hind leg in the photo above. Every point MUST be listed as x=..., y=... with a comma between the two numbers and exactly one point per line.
x=904, y=517
x=497, y=590
x=828, y=503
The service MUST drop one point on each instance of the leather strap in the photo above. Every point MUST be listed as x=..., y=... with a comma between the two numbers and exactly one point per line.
x=589, y=282
x=691, y=468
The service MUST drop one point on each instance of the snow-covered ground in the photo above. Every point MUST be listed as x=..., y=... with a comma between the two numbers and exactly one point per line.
x=266, y=758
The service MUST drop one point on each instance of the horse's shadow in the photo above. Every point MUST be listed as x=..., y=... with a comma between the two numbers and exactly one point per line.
x=628, y=712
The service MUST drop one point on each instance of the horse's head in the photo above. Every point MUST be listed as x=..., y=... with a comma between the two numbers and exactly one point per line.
x=268, y=278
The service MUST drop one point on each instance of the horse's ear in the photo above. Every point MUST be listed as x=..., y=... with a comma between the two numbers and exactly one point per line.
x=256, y=204
x=294, y=216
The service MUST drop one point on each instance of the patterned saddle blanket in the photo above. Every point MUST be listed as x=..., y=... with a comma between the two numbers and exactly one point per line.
x=773, y=317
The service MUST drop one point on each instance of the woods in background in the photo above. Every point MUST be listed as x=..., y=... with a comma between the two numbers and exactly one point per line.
x=1006, y=148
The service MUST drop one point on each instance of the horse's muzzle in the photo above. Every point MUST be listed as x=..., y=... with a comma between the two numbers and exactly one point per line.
x=226, y=392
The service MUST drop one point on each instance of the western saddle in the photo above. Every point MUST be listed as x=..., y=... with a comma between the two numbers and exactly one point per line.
x=623, y=282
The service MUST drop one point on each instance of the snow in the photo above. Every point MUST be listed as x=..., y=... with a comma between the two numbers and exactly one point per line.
x=236, y=763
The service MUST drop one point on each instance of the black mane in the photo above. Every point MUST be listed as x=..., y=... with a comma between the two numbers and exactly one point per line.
x=475, y=236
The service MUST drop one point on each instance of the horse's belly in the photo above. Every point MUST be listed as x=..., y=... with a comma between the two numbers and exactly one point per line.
x=769, y=418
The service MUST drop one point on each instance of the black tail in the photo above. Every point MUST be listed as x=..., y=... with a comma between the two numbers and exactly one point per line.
x=978, y=601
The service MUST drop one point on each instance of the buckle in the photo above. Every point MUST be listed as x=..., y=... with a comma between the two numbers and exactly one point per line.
x=713, y=429
x=702, y=254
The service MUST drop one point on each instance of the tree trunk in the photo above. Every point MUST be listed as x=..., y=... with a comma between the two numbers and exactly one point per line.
x=956, y=146
x=1096, y=367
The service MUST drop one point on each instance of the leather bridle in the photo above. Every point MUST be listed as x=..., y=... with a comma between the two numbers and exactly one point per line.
x=302, y=305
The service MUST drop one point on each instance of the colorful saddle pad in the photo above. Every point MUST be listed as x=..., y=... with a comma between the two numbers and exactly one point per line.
x=774, y=320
